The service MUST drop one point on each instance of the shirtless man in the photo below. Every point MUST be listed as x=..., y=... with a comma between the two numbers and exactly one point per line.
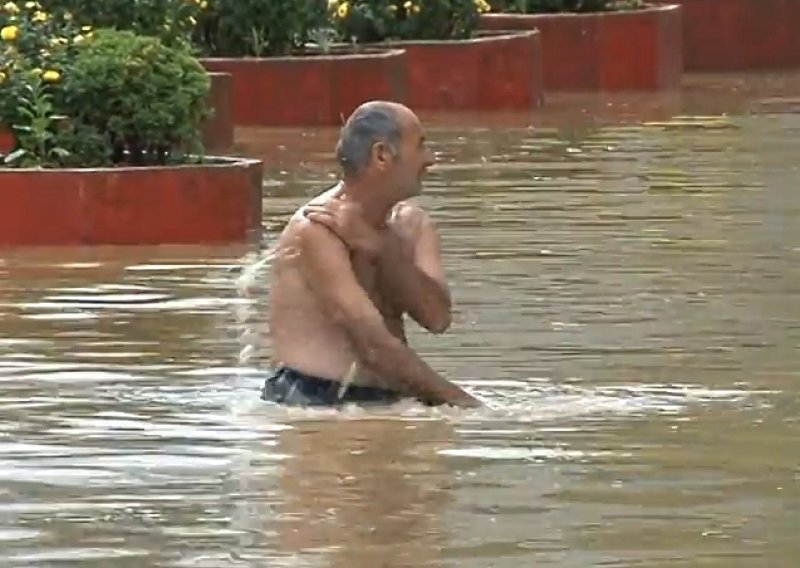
x=349, y=265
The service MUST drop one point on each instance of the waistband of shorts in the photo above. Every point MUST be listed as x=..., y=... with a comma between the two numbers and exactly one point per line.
x=331, y=388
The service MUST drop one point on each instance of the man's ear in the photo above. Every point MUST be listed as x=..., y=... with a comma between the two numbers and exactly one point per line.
x=381, y=155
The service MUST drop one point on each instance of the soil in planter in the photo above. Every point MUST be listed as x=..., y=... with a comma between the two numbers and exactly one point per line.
x=334, y=50
x=120, y=159
x=172, y=161
x=565, y=6
x=151, y=157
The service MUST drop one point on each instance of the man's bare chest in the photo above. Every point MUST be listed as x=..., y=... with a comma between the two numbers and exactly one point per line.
x=375, y=283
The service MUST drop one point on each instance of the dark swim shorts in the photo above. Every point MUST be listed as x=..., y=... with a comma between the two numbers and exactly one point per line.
x=293, y=388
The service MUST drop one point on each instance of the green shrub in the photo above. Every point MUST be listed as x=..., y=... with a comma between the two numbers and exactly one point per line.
x=260, y=28
x=77, y=98
x=172, y=21
x=149, y=100
x=379, y=20
x=543, y=6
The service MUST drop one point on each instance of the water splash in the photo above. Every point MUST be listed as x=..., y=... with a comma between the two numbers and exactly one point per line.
x=248, y=284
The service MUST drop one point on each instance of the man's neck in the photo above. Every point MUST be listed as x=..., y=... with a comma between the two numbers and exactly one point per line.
x=376, y=210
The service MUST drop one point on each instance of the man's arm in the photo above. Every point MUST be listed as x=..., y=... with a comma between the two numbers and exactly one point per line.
x=325, y=262
x=415, y=274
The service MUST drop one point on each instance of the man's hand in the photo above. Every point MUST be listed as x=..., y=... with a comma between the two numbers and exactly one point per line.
x=346, y=220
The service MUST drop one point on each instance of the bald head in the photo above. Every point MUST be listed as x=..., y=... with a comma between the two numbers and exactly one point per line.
x=371, y=122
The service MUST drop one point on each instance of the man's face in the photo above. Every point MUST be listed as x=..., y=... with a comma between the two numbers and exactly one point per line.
x=414, y=159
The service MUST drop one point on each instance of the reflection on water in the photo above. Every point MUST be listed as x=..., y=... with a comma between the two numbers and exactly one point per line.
x=627, y=303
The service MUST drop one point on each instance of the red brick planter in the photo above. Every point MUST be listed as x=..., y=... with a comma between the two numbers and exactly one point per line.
x=209, y=203
x=310, y=90
x=637, y=50
x=494, y=71
x=739, y=35
x=218, y=130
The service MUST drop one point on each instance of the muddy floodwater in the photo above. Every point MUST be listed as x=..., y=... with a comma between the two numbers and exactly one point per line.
x=626, y=276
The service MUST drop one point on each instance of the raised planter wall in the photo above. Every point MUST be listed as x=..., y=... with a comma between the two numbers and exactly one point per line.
x=313, y=90
x=218, y=130
x=740, y=35
x=637, y=50
x=208, y=203
x=494, y=72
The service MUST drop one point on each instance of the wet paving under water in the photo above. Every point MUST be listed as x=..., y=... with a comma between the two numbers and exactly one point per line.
x=627, y=295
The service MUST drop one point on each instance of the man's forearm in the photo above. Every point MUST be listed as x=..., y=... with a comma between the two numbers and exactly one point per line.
x=399, y=364
x=424, y=298
x=404, y=371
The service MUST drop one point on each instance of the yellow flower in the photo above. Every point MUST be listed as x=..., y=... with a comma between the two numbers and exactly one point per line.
x=9, y=33
x=411, y=7
x=343, y=9
x=482, y=6
x=193, y=20
x=51, y=76
x=11, y=8
x=86, y=29
x=32, y=5
x=39, y=16
x=332, y=4
x=203, y=4
x=2, y=76
x=78, y=39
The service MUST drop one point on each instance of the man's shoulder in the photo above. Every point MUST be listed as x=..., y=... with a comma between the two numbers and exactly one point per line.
x=298, y=222
x=319, y=199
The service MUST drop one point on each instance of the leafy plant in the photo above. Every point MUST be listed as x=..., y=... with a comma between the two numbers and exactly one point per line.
x=35, y=49
x=74, y=97
x=32, y=42
x=259, y=28
x=37, y=129
x=378, y=20
x=172, y=21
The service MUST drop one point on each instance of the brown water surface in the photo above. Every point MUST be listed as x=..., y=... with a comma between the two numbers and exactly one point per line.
x=627, y=283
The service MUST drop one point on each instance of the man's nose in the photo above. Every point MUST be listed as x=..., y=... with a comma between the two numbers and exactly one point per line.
x=430, y=158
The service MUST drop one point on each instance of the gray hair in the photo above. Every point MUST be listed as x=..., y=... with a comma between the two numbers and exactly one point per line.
x=370, y=123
